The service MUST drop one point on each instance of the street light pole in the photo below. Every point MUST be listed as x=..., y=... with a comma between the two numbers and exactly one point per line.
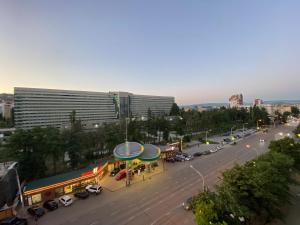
x=19, y=187
x=200, y=174
x=257, y=123
x=231, y=131
x=244, y=129
x=206, y=132
x=127, y=146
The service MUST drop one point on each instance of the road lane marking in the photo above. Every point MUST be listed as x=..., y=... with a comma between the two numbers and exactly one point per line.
x=166, y=214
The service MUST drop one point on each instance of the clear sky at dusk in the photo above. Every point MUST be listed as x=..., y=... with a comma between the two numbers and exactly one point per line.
x=198, y=51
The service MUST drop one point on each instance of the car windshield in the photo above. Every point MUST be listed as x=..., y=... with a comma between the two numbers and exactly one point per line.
x=68, y=200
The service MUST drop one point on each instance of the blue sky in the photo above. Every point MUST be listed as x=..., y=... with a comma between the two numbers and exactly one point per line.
x=198, y=51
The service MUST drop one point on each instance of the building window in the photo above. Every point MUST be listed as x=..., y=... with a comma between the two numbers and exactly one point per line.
x=59, y=192
x=68, y=189
x=71, y=188
x=36, y=198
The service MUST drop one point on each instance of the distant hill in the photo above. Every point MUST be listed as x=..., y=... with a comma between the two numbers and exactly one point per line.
x=282, y=102
x=205, y=105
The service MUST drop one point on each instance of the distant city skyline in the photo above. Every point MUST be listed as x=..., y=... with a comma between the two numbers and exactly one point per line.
x=196, y=51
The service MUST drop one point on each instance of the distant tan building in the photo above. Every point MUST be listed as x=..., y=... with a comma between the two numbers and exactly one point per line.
x=258, y=101
x=281, y=108
x=236, y=101
x=6, y=110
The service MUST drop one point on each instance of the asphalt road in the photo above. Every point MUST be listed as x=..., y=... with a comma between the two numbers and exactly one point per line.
x=158, y=201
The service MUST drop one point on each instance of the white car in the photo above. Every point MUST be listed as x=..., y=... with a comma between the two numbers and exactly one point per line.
x=65, y=200
x=97, y=189
x=213, y=150
x=261, y=140
x=219, y=148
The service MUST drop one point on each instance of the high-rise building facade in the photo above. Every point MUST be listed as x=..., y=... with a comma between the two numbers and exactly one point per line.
x=48, y=107
x=158, y=105
x=236, y=101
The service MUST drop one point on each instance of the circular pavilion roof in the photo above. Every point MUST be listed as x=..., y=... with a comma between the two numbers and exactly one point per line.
x=150, y=153
x=128, y=150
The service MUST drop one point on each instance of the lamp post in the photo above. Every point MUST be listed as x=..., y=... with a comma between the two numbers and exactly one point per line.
x=200, y=174
x=19, y=187
x=231, y=132
x=244, y=129
x=127, y=146
x=257, y=123
x=206, y=132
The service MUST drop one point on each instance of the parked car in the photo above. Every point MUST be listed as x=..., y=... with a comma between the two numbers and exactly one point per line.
x=121, y=175
x=213, y=150
x=96, y=189
x=184, y=154
x=179, y=158
x=114, y=172
x=50, y=205
x=219, y=148
x=82, y=194
x=65, y=200
x=13, y=220
x=207, y=152
x=188, y=158
x=227, y=140
x=170, y=159
x=36, y=211
x=140, y=167
x=187, y=205
x=197, y=154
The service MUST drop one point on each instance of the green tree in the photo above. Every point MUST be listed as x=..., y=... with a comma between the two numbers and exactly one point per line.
x=207, y=209
x=72, y=141
x=175, y=111
x=295, y=111
x=297, y=131
x=288, y=147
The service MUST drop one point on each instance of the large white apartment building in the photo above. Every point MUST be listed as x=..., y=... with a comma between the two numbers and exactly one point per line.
x=48, y=107
x=140, y=105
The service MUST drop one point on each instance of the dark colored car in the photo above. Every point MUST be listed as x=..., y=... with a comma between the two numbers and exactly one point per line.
x=122, y=166
x=140, y=167
x=179, y=159
x=114, y=172
x=50, y=205
x=13, y=221
x=227, y=140
x=172, y=160
x=185, y=154
x=197, y=154
x=82, y=195
x=187, y=205
x=36, y=211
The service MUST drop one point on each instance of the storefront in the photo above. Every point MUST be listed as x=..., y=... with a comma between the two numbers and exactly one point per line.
x=68, y=183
